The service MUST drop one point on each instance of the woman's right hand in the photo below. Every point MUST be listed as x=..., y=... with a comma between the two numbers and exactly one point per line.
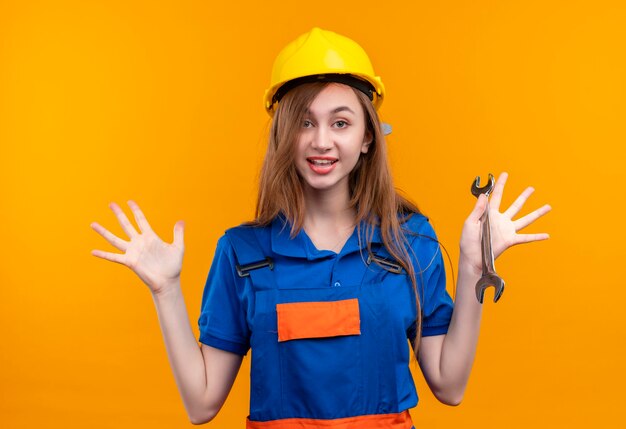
x=157, y=263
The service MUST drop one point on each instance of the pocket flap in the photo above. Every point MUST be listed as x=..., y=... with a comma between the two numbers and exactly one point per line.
x=318, y=319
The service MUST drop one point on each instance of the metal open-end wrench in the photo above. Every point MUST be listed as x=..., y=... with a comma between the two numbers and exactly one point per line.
x=489, y=277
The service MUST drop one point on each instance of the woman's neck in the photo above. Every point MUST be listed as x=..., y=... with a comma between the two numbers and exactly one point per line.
x=329, y=219
x=324, y=206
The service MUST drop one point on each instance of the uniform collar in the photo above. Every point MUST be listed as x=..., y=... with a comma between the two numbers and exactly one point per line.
x=283, y=244
x=301, y=245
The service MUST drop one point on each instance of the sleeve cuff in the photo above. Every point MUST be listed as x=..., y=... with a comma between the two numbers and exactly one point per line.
x=229, y=346
x=429, y=331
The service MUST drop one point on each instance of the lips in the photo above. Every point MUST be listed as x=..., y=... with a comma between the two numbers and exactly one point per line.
x=322, y=162
x=322, y=165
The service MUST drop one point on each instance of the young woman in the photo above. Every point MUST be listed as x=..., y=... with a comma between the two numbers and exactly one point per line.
x=333, y=276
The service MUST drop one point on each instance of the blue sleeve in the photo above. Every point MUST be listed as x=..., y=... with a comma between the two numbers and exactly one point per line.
x=430, y=273
x=223, y=322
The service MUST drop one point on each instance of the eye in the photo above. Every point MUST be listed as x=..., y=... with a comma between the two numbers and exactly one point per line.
x=341, y=124
x=307, y=124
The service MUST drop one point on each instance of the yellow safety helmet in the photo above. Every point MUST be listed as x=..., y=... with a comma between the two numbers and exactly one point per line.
x=321, y=55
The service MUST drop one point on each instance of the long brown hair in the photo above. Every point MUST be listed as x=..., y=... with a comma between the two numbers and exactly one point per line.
x=372, y=192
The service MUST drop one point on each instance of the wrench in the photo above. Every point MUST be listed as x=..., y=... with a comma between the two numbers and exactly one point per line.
x=489, y=276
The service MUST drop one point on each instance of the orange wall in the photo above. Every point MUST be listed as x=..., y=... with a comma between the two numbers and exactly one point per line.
x=161, y=102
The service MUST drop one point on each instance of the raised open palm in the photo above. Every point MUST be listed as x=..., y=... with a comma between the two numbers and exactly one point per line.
x=157, y=263
x=504, y=230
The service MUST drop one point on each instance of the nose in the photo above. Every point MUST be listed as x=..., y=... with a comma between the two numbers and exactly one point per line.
x=322, y=139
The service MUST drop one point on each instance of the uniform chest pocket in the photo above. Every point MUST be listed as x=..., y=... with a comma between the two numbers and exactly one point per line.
x=320, y=357
x=299, y=320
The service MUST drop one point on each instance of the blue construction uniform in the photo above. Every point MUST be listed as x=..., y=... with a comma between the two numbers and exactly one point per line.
x=354, y=371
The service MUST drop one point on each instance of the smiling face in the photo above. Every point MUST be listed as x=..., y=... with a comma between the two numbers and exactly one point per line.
x=332, y=139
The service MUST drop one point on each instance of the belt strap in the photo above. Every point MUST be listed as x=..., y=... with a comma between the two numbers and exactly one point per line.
x=372, y=421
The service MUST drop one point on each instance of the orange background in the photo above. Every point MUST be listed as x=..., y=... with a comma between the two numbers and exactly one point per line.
x=161, y=102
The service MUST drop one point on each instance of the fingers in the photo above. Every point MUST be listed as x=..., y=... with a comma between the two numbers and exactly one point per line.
x=523, y=222
x=479, y=209
x=519, y=203
x=498, y=190
x=128, y=228
x=141, y=220
x=113, y=257
x=528, y=238
x=179, y=229
x=114, y=240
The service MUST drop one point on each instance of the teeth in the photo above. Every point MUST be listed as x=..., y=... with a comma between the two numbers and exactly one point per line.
x=321, y=161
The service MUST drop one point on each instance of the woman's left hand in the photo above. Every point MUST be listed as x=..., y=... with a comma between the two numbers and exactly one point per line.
x=504, y=230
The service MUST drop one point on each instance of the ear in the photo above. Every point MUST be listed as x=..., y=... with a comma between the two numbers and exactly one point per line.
x=367, y=141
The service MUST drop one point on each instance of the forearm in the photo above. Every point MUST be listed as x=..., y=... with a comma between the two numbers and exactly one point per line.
x=459, y=347
x=448, y=379
x=183, y=351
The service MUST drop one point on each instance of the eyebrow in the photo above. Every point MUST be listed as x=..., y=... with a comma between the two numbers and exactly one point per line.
x=337, y=110
x=342, y=108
